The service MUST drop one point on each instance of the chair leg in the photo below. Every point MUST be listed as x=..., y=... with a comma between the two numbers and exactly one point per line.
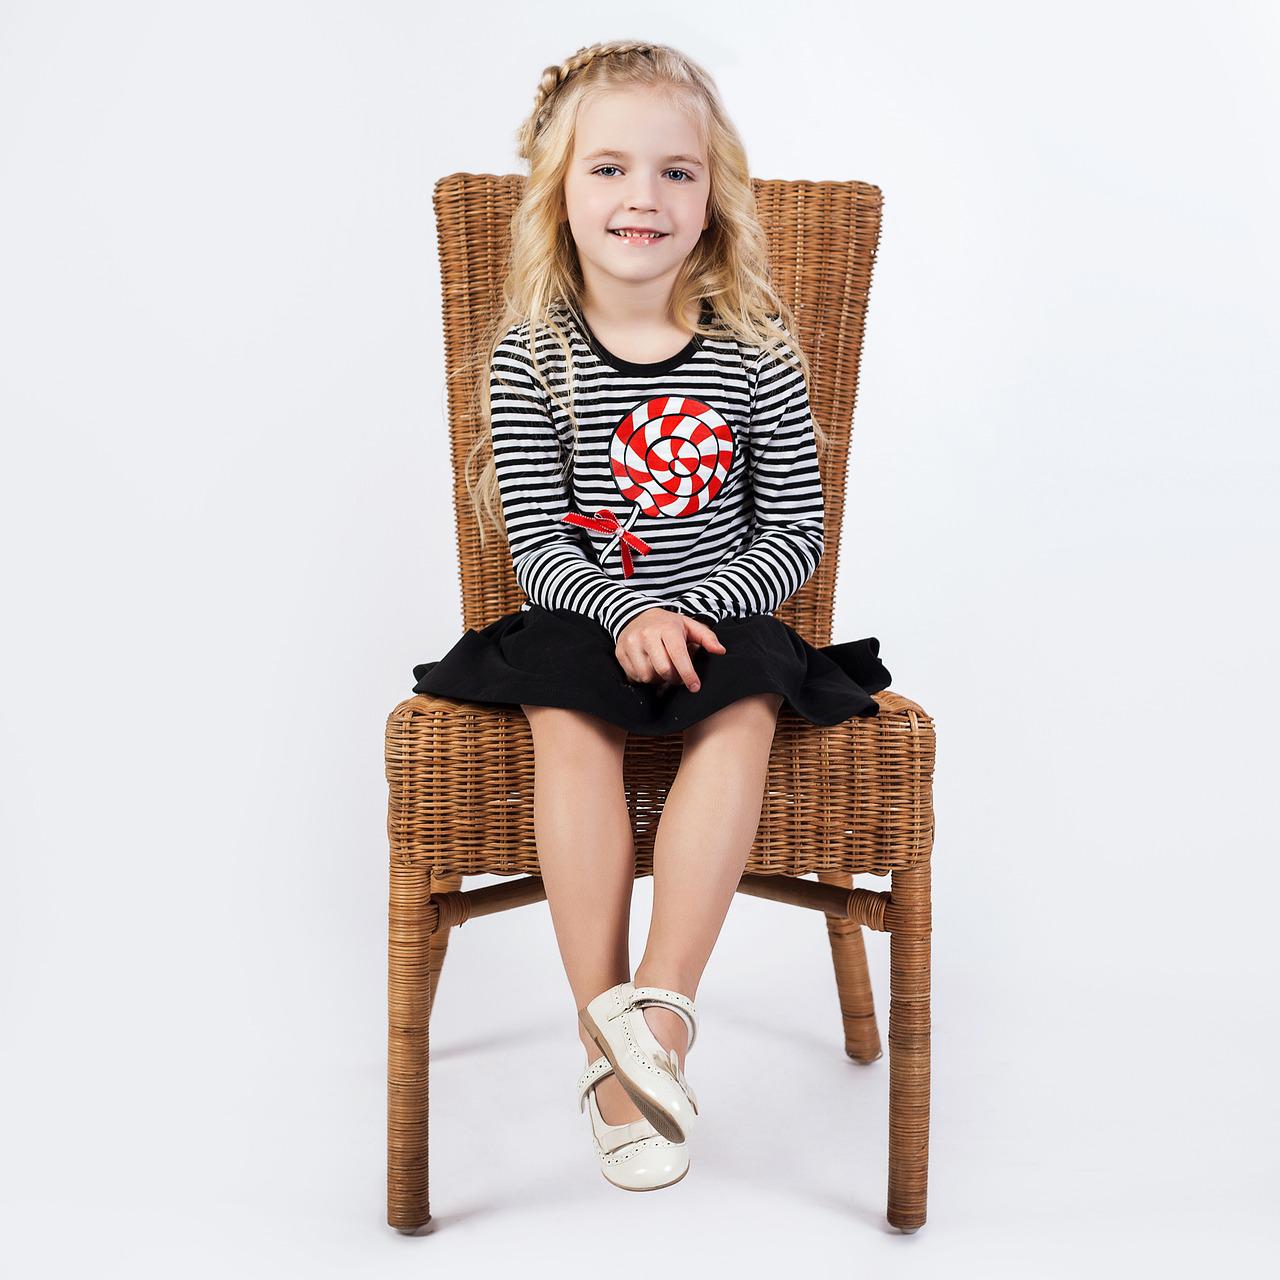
x=853, y=983
x=909, y=1030
x=409, y=961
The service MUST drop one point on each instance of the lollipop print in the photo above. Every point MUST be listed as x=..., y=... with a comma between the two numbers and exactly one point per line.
x=670, y=455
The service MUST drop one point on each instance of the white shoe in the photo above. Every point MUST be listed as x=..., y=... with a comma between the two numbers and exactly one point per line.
x=649, y=1073
x=633, y=1156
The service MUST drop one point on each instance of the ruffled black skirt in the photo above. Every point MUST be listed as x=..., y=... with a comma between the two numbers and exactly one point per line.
x=560, y=658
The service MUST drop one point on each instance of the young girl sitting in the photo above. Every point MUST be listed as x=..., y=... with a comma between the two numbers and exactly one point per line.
x=655, y=460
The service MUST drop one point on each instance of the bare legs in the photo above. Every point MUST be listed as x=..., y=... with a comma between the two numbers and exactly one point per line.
x=707, y=827
x=587, y=854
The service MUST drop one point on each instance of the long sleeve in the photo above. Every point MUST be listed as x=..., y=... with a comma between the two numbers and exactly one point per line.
x=788, y=532
x=552, y=566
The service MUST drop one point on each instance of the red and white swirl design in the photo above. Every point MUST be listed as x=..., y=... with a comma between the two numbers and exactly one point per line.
x=670, y=455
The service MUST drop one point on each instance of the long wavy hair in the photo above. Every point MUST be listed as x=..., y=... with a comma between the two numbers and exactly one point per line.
x=728, y=268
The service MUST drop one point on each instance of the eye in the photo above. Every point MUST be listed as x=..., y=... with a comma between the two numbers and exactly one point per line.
x=686, y=176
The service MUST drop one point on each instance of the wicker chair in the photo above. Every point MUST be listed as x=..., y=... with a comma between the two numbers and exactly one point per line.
x=854, y=797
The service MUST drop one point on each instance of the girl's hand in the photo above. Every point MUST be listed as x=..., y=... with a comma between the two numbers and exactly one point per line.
x=655, y=644
x=665, y=685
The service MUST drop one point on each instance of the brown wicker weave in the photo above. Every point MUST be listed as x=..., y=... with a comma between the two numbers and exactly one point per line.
x=855, y=797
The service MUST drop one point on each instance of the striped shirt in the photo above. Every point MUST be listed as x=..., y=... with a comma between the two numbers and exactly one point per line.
x=708, y=459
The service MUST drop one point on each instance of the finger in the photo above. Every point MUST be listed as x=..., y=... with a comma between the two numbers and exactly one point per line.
x=662, y=668
x=634, y=663
x=707, y=636
x=623, y=660
x=643, y=666
x=684, y=665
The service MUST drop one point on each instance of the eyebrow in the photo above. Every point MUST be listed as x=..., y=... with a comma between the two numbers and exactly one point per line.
x=622, y=155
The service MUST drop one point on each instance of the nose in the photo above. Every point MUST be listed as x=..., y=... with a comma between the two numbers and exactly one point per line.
x=641, y=192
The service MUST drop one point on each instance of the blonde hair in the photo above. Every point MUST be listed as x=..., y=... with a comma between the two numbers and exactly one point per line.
x=728, y=268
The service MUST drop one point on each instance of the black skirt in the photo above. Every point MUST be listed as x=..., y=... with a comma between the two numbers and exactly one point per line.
x=561, y=658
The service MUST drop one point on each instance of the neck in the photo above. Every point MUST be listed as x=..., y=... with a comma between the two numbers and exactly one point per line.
x=609, y=303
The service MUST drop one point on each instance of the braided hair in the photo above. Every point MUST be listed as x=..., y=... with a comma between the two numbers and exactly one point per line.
x=554, y=76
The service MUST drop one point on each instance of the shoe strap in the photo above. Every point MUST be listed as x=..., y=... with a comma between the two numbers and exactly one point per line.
x=617, y=1135
x=597, y=1071
x=673, y=1000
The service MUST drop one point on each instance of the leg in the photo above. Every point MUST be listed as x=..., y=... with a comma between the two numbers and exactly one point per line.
x=409, y=1002
x=853, y=983
x=909, y=1047
x=586, y=852
x=704, y=836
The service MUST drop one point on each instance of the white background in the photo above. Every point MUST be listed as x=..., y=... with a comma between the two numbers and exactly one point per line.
x=228, y=536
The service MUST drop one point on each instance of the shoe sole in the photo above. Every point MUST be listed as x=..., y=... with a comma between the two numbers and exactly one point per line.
x=658, y=1187
x=662, y=1121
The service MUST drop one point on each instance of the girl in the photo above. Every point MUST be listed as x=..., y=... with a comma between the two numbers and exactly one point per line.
x=655, y=460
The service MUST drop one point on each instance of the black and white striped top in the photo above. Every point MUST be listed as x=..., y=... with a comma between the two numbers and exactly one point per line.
x=708, y=458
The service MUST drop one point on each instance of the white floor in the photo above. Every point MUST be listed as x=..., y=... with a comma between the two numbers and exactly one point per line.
x=1072, y=1134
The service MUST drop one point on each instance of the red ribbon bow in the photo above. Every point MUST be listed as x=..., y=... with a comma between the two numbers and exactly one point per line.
x=606, y=522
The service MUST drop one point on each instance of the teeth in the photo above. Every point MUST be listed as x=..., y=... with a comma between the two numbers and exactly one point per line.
x=639, y=235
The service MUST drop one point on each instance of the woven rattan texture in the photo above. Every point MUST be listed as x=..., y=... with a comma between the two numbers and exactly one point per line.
x=853, y=797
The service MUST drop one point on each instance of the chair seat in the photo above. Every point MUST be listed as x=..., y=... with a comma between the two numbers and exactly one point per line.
x=460, y=779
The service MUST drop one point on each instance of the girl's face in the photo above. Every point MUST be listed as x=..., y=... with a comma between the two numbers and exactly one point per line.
x=638, y=162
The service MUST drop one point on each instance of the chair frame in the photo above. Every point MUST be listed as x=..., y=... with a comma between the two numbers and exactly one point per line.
x=851, y=798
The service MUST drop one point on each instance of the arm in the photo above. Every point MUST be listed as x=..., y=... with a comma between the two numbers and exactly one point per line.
x=789, y=535
x=551, y=563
